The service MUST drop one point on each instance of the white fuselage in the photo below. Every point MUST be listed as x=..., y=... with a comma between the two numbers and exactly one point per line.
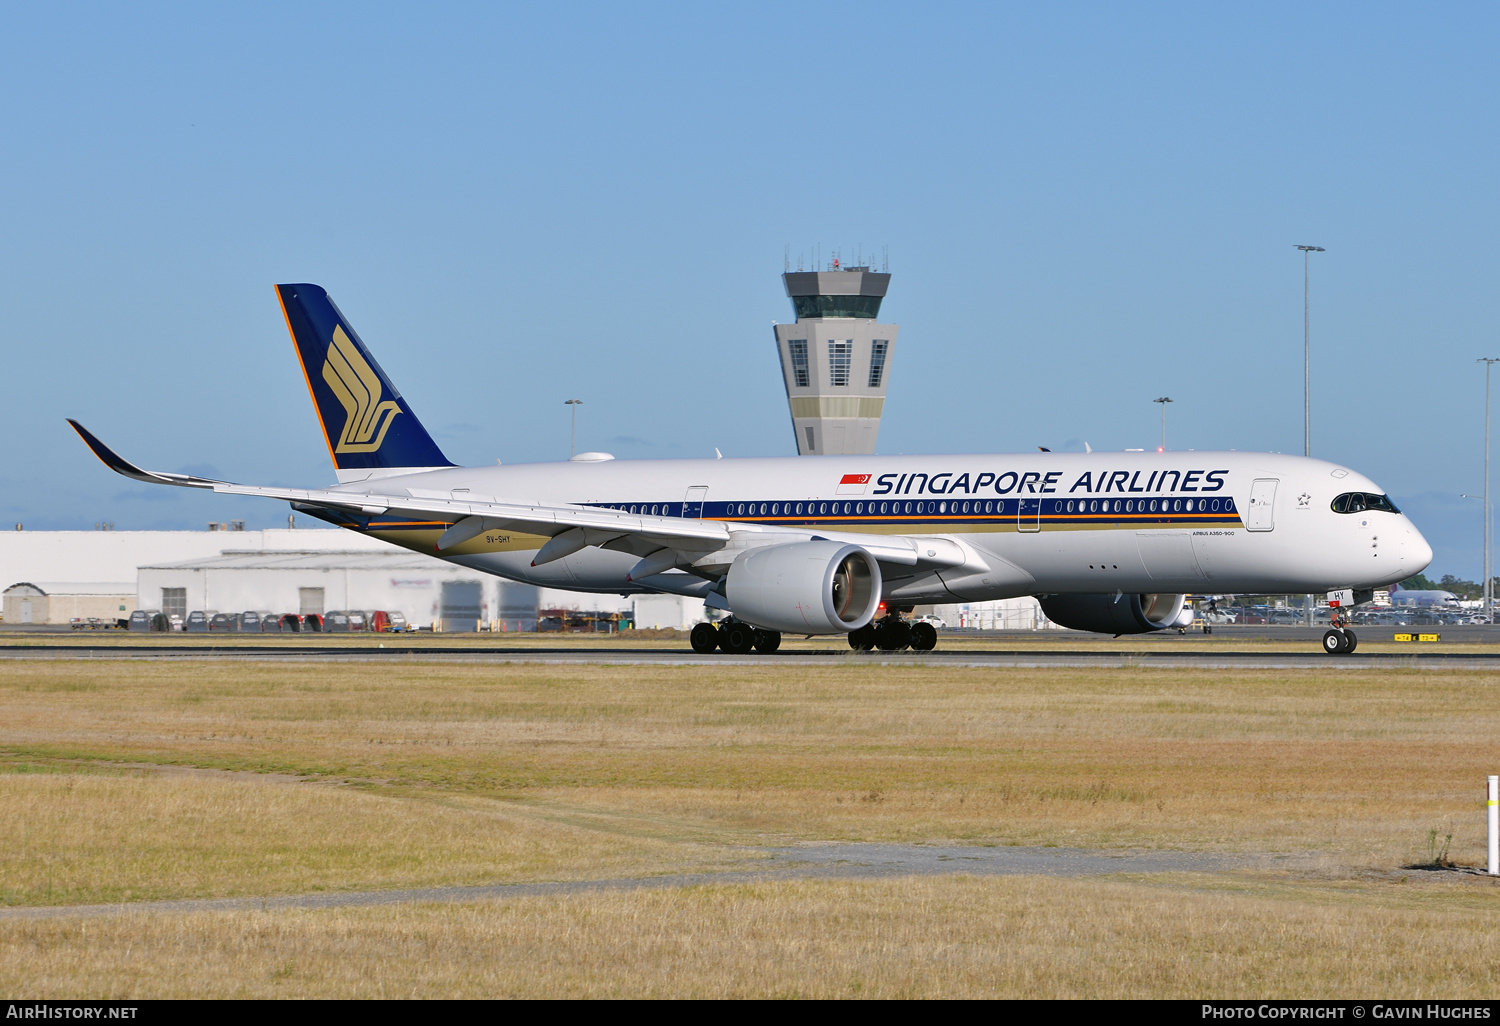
x=1223, y=522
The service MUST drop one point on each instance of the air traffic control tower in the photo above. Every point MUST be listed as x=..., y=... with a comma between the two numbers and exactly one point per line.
x=836, y=359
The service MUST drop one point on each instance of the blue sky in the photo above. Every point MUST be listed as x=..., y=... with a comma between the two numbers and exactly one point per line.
x=1085, y=207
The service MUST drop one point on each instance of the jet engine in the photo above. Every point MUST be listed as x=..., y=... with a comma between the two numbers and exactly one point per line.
x=814, y=587
x=1109, y=613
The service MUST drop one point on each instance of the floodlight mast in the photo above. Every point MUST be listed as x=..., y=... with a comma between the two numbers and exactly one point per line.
x=573, y=405
x=1163, y=400
x=1489, y=584
x=1307, y=252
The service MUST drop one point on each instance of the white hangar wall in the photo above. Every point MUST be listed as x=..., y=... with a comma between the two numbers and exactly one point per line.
x=234, y=571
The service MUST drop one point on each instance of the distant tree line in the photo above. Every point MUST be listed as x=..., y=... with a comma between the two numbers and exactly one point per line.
x=1463, y=589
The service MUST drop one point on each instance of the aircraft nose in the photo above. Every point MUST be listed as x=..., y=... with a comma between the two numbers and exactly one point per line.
x=1417, y=553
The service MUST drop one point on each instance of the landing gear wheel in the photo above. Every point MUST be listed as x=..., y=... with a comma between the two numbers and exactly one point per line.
x=737, y=638
x=923, y=637
x=705, y=638
x=863, y=639
x=1352, y=641
x=767, y=642
x=892, y=635
x=1335, y=643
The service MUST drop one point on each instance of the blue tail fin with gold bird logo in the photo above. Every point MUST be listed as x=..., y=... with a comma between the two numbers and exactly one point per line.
x=367, y=424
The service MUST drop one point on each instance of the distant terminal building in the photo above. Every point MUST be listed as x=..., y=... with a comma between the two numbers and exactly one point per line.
x=836, y=358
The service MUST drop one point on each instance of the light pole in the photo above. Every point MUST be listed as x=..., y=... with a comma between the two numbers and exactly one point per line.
x=1163, y=400
x=573, y=404
x=1489, y=587
x=1307, y=252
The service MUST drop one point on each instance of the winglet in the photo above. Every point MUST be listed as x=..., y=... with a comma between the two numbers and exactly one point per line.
x=114, y=461
x=111, y=459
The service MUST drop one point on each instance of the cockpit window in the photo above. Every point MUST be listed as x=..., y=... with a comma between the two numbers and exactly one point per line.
x=1359, y=502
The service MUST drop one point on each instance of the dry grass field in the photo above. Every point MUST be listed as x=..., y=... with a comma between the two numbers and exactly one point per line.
x=924, y=937
x=124, y=781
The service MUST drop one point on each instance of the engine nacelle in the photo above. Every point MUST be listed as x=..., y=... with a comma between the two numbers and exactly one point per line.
x=1126, y=614
x=815, y=587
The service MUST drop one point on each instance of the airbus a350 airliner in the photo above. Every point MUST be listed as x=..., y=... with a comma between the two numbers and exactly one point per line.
x=1107, y=542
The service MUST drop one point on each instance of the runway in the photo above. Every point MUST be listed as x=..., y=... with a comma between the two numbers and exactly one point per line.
x=1030, y=656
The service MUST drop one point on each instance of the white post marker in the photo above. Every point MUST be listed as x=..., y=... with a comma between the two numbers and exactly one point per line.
x=1494, y=809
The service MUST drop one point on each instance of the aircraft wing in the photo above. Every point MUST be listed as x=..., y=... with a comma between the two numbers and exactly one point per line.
x=663, y=542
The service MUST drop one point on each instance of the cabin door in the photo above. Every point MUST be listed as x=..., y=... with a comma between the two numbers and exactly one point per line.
x=1261, y=515
x=1029, y=515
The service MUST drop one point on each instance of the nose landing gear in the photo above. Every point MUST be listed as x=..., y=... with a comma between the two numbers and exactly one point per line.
x=1340, y=640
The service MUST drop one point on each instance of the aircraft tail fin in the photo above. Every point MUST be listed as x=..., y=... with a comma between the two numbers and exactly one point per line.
x=366, y=423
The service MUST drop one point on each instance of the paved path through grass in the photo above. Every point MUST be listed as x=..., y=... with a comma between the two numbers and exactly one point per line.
x=833, y=861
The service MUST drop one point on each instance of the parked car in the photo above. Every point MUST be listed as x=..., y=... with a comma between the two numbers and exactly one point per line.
x=290, y=623
x=223, y=622
x=148, y=620
x=342, y=621
x=312, y=622
x=383, y=620
x=197, y=621
x=250, y=621
x=335, y=622
x=937, y=623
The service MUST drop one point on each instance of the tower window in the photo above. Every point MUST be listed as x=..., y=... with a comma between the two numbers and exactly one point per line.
x=797, y=349
x=840, y=354
x=877, y=360
x=810, y=446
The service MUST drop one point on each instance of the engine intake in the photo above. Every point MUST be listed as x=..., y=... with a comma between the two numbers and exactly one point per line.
x=816, y=587
x=1108, y=613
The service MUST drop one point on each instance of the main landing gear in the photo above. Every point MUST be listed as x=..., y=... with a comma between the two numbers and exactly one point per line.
x=1340, y=640
x=892, y=634
x=734, y=637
